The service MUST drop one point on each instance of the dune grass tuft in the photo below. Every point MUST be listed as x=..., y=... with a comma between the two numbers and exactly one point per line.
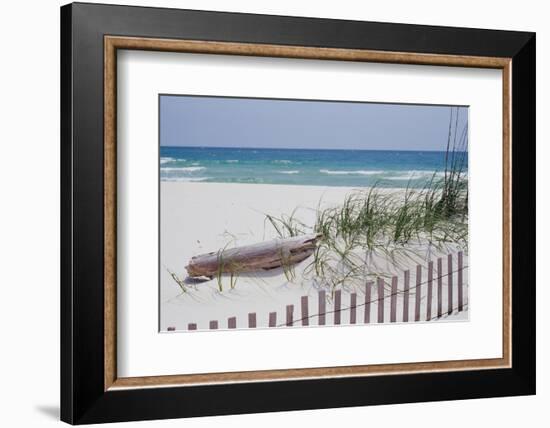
x=376, y=222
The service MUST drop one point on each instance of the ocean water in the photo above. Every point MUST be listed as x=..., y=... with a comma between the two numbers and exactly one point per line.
x=355, y=168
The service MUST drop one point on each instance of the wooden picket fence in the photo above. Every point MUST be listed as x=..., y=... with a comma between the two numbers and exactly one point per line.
x=376, y=294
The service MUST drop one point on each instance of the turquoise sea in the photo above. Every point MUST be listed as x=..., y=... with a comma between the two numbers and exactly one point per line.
x=357, y=168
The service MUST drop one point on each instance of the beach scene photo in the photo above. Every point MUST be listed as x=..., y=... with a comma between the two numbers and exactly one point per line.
x=282, y=213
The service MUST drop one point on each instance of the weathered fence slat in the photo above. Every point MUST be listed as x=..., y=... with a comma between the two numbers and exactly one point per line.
x=439, y=287
x=460, y=282
x=337, y=306
x=289, y=315
x=273, y=319
x=353, y=308
x=393, y=300
x=368, y=289
x=450, y=284
x=430, y=290
x=305, y=311
x=252, y=320
x=380, y=300
x=406, y=296
x=381, y=296
x=322, y=307
x=417, y=294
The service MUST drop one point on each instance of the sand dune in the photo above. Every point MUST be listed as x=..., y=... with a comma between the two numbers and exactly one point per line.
x=203, y=217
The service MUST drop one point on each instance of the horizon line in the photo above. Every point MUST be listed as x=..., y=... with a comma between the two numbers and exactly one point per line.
x=300, y=148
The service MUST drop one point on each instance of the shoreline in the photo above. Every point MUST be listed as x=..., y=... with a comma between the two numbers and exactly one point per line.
x=290, y=186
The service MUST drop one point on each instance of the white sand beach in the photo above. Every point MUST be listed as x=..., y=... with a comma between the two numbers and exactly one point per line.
x=197, y=218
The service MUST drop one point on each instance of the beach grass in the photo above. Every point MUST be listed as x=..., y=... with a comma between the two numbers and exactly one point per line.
x=375, y=222
x=372, y=224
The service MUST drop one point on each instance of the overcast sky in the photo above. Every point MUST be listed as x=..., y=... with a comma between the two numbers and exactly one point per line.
x=264, y=123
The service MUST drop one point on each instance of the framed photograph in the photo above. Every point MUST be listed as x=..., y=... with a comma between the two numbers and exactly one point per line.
x=276, y=213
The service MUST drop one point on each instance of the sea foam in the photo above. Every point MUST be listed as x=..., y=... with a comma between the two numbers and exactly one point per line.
x=184, y=169
x=358, y=172
x=185, y=179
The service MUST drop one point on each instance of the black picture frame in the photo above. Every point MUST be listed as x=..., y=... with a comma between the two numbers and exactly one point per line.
x=83, y=398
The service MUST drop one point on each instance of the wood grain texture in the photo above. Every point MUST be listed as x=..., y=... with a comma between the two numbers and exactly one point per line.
x=439, y=287
x=430, y=290
x=112, y=43
x=304, y=301
x=507, y=172
x=449, y=284
x=459, y=281
x=252, y=320
x=109, y=210
x=368, y=300
x=417, y=294
x=353, y=308
x=393, y=299
x=406, y=287
x=273, y=319
x=322, y=307
x=303, y=52
x=250, y=258
x=380, y=306
x=294, y=374
x=337, y=307
x=290, y=315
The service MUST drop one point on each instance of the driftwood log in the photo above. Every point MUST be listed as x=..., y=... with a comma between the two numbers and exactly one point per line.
x=249, y=258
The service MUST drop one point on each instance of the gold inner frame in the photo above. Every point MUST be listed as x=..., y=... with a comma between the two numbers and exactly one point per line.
x=113, y=43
